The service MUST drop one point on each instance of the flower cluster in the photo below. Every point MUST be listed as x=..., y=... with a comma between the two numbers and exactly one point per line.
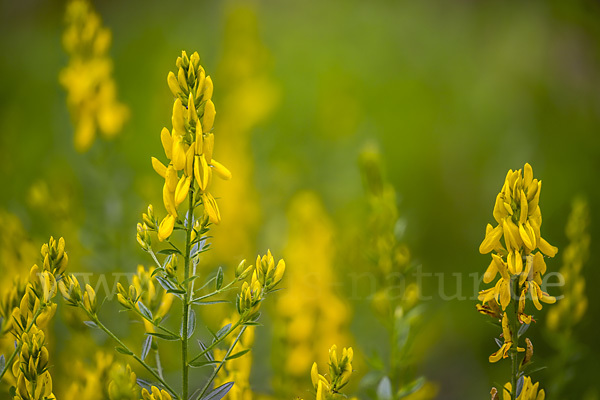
x=155, y=394
x=529, y=391
x=519, y=219
x=189, y=145
x=265, y=277
x=31, y=368
x=340, y=370
x=91, y=91
x=514, y=242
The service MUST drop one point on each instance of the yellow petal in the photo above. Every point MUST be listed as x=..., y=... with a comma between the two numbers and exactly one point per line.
x=169, y=200
x=221, y=170
x=207, y=90
x=491, y=240
x=166, y=227
x=173, y=84
x=498, y=354
x=211, y=208
x=167, y=142
x=181, y=191
x=209, y=116
x=179, y=154
x=547, y=248
x=159, y=167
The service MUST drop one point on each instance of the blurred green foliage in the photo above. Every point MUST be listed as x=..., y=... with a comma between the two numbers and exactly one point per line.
x=453, y=93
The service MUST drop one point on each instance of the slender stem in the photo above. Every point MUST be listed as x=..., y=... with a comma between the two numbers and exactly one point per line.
x=223, y=289
x=186, y=301
x=219, y=340
x=10, y=360
x=216, y=371
x=170, y=332
x=136, y=357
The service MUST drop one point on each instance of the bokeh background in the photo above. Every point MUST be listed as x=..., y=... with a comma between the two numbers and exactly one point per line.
x=451, y=94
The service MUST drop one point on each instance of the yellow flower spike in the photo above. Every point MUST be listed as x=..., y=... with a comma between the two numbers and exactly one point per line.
x=173, y=84
x=492, y=239
x=179, y=151
x=167, y=142
x=208, y=146
x=181, y=191
x=207, y=90
x=221, y=170
x=209, y=116
x=166, y=227
x=89, y=299
x=159, y=167
x=169, y=200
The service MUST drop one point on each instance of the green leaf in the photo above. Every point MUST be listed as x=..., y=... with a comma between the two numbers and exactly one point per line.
x=156, y=271
x=384, y=389
x=144, y=310
x=165, y=336
x=199, y=363
x=523, y=329
x=411, y=387
x=123, y=350
x=207, y=354
x=221, y=332
x=146, y=347
x=236, y=355
x=191, y=323
x=206, y=303
x=519, y=386
x=219, y=392
x=165, y=283
x=176, y=291
x=2, y=362
x=169, y=251
x=91, y=324
x=191, y=278
x=219, y=281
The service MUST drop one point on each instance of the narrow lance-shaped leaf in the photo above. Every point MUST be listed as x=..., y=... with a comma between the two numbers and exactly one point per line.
x=146, y=347
x=191, y=323
x=219, y=281
x=208, y=354
x=222, y=331
x=144, y=310
x=219, y=392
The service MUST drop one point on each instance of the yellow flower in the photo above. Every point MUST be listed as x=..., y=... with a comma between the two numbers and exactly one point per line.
x=189, y=145
x=508, y=342
x=518, y=215
x=91, y=91
x=156, y=394
x=529, y=391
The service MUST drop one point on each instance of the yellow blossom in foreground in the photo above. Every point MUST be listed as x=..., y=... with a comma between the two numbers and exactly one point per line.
x=189, y=146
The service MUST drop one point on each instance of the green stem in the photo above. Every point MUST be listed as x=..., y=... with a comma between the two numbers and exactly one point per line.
x=216, y=371
x=10, y=360
x=136, y=357
x=216, y=292
x=156, y=325
x=216, y=342
x=186, y=301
